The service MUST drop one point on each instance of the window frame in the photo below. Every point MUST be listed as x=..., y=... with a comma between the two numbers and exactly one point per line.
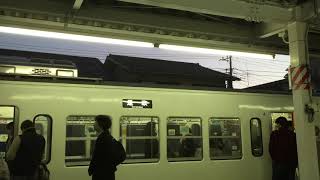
x=80, y=163
x=138, y=161
x=241, y=138
x=49, y=138
x=16, y=114
x=185, y=159
x=261, y=137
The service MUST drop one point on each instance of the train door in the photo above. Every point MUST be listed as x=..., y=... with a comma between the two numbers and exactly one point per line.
x=253, y=126
x=43, y=126
x=254, y=142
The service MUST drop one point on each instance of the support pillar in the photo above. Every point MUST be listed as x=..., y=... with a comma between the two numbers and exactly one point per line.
x=306, y=140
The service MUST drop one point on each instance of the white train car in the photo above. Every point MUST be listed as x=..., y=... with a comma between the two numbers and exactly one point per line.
x=229, y=130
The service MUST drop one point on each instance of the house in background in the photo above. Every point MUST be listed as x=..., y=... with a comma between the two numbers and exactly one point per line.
x=143, y=70
x=280, y=85
x=132, y=69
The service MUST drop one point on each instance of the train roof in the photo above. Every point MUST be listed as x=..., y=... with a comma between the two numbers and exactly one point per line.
x=163, y=67
x=87, y=67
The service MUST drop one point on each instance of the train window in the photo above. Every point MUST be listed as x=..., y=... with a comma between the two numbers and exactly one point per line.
x=184, y=139
x=80, y=139
x=7, y=115
x=43, y=125
x=140, y=138
x=256, y=137
x=225, y=138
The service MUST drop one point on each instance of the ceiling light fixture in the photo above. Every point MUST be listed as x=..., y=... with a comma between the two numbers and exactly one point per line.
x=73, y=37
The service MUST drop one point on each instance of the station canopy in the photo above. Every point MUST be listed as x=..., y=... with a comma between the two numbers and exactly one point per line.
x=239, y=25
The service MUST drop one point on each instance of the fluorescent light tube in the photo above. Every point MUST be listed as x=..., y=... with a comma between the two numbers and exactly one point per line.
x=73, y=37
x=215, y=51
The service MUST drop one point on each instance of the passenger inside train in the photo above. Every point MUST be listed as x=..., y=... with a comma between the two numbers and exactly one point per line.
x=187, y=146
x=151, y=145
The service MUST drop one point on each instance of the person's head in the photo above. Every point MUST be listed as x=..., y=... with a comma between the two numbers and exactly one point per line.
x=282, y=122
x=26, y=125
x=102, y=123
x=10, y=128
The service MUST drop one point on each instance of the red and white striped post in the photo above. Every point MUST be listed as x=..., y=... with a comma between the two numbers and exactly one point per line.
x=300, y=78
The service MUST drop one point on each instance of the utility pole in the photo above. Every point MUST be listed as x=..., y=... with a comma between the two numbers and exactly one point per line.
x=229, y=59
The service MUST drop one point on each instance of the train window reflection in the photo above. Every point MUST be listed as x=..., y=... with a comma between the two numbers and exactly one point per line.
x=140, y=138
x=256, y=137
x=43, y=125
x=225, y=138
x=184, y=139
x=7, y=115
x=80, y=139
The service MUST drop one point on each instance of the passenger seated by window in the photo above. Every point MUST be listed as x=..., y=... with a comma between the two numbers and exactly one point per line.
x=173, y=145
x=220, y=146
x=151, y=145
x=188, y=146
x=217, y=143
x=173, y=148
x=227, y=147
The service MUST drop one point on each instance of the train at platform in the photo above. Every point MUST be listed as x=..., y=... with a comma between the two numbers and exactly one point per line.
x=229, y=130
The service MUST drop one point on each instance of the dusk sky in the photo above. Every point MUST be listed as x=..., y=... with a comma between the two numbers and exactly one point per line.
x=251, y=71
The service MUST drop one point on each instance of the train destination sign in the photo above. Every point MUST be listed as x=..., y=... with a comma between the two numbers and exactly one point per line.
x=135, y=103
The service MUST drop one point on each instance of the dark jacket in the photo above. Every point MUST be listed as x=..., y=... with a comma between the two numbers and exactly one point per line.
x=29, y=154
x=101, y=163
x=188, y=147
x=8, y=144
x=283, y=147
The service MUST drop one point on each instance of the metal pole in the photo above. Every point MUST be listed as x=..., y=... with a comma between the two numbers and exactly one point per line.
x=230, y=73
x=306, y=140
x=229, y=59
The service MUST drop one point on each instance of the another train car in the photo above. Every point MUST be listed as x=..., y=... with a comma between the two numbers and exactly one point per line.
x=229, y=130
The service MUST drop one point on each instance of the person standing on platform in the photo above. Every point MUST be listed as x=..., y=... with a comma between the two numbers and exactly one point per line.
x=26, y=153
x=10, y=129
x=101, y=165
x=283, y=151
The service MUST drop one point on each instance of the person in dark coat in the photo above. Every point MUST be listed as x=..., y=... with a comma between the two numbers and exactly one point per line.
x=10, y=129
x=101, y=165
x=283, y=151
x=26, y=152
